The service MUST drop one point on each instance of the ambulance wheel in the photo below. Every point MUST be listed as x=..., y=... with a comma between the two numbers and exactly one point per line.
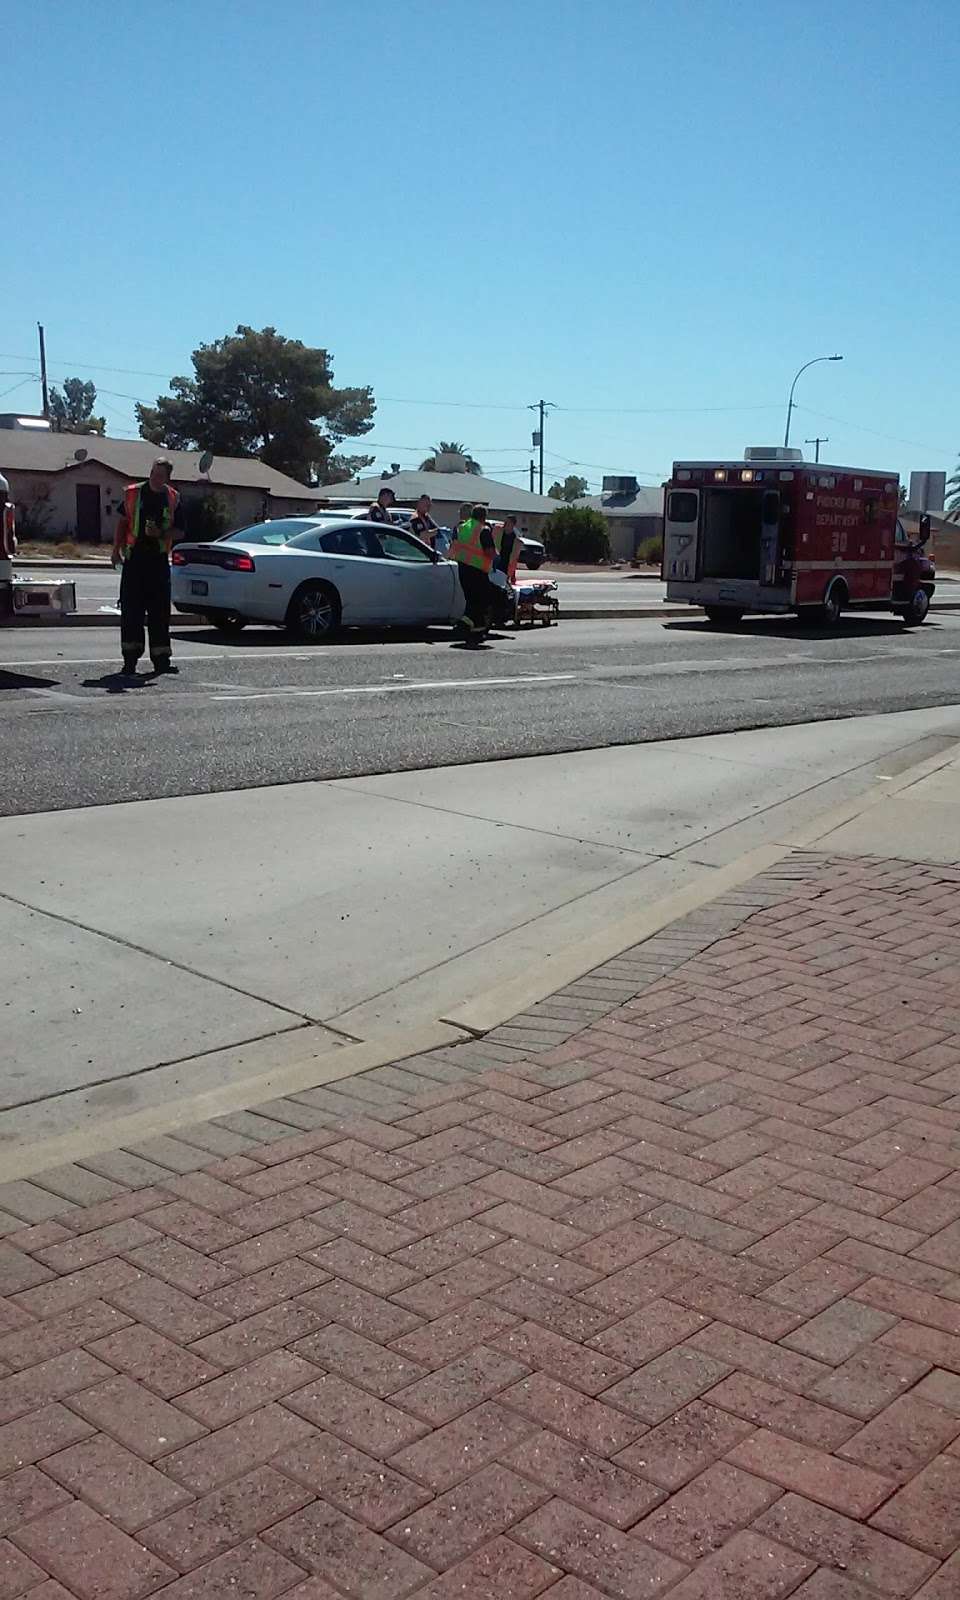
x=723, y=616
x=916, y=611
x=829, y=613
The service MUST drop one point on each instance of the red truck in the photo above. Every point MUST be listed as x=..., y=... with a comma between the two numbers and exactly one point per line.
x=778, y=534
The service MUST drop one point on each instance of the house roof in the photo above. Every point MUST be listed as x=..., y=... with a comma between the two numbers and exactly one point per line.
x=448, y=486
x=28, y=451
x=642, y=503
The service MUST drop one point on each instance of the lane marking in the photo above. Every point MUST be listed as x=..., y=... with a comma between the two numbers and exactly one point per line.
x=402, y=688
x=13, y=664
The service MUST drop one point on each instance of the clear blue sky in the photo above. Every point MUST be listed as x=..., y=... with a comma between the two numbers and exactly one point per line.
x=648, y=211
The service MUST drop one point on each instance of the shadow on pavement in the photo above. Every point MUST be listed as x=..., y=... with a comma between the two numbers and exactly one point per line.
x=118, y=682
x=793, y=628
x=254, y=638
x=25, y=680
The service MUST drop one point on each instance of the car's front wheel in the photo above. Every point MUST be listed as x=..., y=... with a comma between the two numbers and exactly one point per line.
x=916, y=610
x=314, y=612
x=532, y=562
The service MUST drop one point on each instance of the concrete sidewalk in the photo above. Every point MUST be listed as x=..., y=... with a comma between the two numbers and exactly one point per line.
x=346, y=921
x=653, y=1290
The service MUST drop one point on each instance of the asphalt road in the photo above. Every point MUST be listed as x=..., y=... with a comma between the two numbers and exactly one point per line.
x=263, y=712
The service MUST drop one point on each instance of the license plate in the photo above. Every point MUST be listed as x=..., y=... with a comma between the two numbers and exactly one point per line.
x=197, y=586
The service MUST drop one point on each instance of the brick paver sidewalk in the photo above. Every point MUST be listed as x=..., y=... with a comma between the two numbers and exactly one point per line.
x=670, y=1308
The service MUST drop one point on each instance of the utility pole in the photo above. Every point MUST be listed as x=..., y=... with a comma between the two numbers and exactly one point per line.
x=817, y=442
x=43, y=372
x=531, y=477
x=541, y=407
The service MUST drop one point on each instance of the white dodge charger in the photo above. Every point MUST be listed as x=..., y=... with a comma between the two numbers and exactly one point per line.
x=313, y=575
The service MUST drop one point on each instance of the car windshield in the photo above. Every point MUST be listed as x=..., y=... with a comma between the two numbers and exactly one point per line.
x=281, y=531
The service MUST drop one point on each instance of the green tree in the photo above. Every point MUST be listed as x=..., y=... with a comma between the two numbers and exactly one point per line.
x=953, y=496
x=450, y=447
x=340, y=469
x=71, y=411
x=257, y=393
x=206, y=516
x=577, y=533
x=572, y=488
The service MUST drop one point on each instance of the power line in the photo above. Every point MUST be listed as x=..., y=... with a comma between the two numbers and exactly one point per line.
x=406, y=400
x=661, y=411
x=95, y=366
x=601, y=466
x=913, y=444
x=13, y=387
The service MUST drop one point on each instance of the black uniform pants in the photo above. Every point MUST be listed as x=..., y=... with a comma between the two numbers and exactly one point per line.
x=478, y=597
x=145, y=596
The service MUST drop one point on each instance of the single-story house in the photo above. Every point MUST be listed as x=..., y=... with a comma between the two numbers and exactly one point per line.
x=448, y=491
x=69, y=486
x=633, y=514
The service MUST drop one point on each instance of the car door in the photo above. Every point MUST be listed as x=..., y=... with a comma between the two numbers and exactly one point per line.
x=336, y=556
x=412, y=586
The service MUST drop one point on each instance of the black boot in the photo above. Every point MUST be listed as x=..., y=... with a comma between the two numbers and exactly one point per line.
x=129, y=666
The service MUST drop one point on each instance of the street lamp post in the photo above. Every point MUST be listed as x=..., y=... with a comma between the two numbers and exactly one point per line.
x=806, y=364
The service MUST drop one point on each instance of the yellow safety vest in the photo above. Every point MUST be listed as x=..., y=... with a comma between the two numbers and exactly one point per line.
x=467, y=547
x=133, y=515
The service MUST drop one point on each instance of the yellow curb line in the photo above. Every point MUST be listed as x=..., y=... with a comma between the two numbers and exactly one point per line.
x=328, y=1066
x=477, y=1017
x=488, y=1010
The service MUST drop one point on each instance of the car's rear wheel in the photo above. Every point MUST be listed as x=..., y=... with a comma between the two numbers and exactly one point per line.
x=228, y=622
x=314, y=612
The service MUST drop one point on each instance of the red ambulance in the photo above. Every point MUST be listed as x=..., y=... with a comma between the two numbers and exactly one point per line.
x=776, y=533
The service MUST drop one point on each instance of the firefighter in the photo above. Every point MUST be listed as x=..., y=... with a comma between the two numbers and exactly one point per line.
x=508, y=554
x=151, y=512
x=474, y=551
x=508, y=547
x=380, y=509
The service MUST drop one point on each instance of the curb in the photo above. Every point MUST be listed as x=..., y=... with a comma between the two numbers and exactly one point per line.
x=311, y=1072
x=478, y=1017
x=96, y=619
x=91, y=619
x=493, y=1007
x=54, y=564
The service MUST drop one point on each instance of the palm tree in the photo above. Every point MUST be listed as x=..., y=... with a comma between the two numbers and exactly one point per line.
x=451, y=447
x=953, y=496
